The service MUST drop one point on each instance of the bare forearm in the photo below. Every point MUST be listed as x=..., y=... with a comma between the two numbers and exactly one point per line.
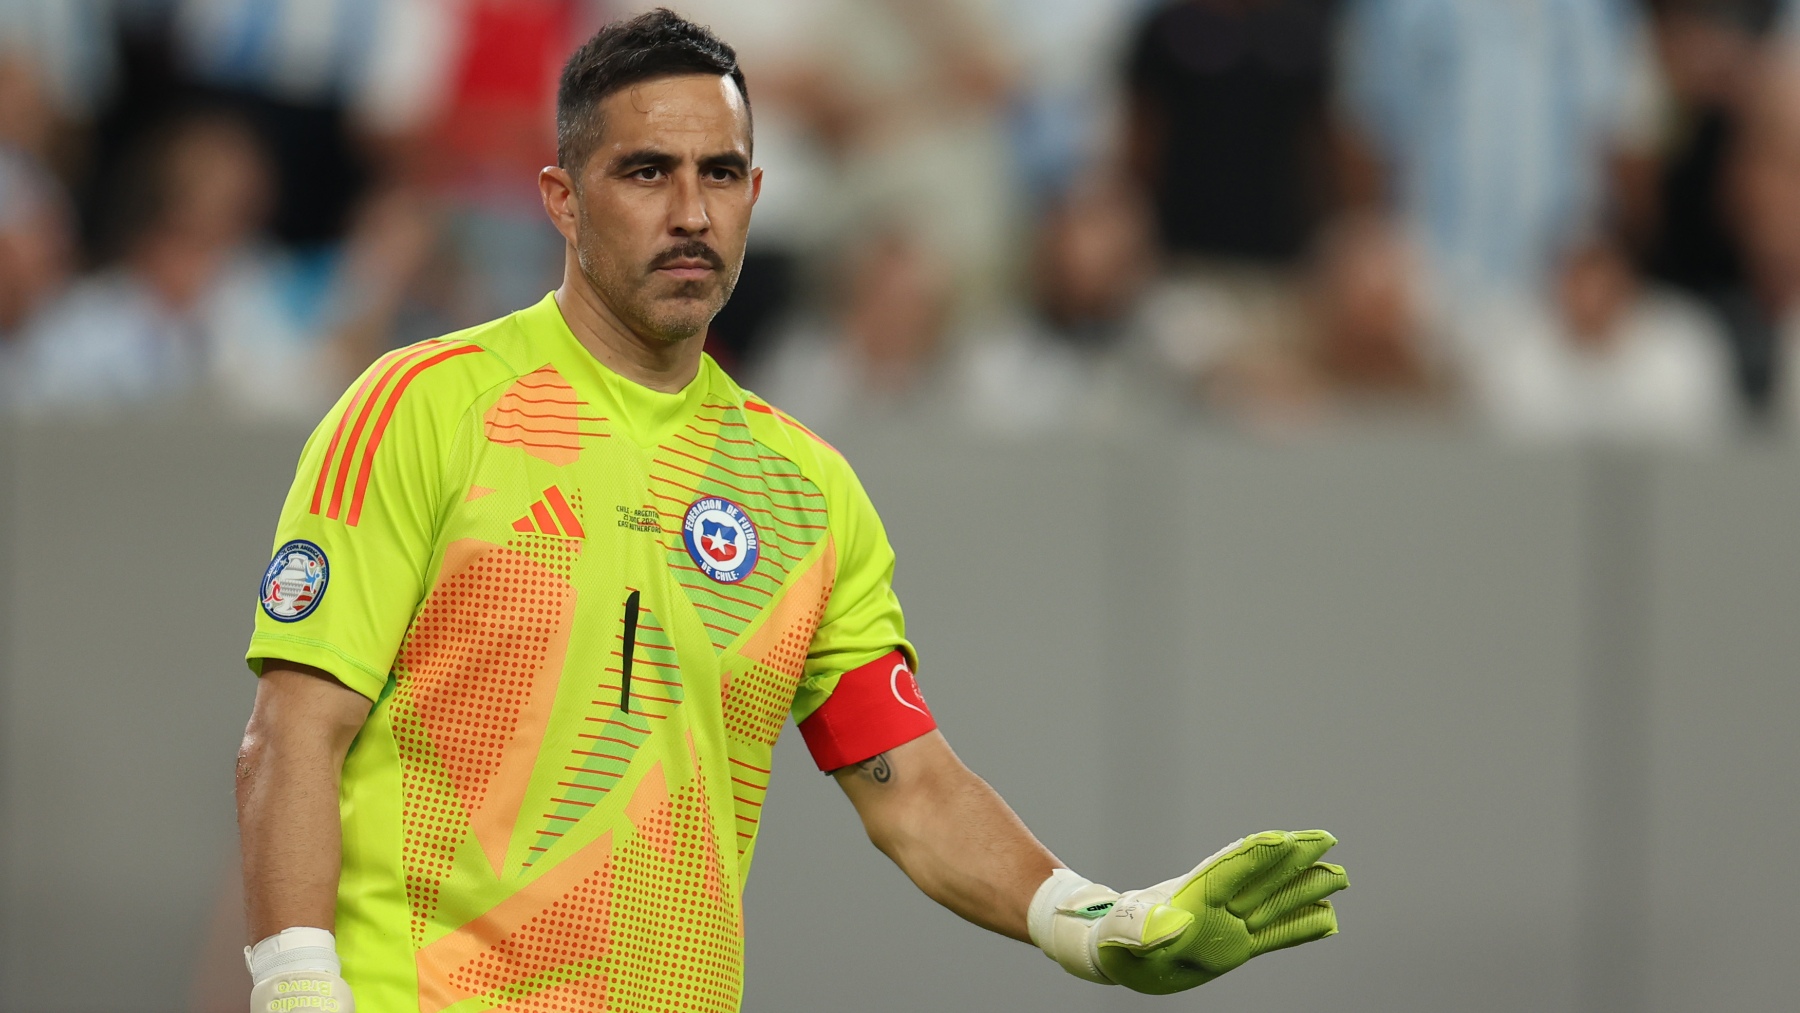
x=951, y=833
x=287, y=798
x=289, y=831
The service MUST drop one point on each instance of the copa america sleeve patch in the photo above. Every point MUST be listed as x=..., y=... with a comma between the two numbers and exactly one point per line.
x=294, y=583
x=874, y=708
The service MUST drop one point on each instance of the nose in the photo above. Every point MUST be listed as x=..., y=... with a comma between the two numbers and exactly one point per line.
x=687, y=209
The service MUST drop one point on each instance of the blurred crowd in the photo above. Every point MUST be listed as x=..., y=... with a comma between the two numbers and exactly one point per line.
x=1551, y=220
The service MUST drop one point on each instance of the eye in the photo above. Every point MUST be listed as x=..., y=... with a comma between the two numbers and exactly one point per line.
x=647, y=173
x=721, y=174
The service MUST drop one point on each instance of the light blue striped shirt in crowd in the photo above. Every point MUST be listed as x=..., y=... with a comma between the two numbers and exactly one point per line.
x=303, y=50
x=1496, y=118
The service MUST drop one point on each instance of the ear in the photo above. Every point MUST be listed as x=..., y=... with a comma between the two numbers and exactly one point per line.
x=561, y=202
x=755, y=186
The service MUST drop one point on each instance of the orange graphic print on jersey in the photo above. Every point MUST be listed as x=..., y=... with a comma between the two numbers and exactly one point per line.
x=543, y=415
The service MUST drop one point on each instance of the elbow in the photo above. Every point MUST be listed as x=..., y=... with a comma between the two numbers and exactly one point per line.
x=885, y=837
x=897, y=827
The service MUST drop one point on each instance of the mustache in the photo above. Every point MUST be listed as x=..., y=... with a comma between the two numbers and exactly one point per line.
x=693, y=249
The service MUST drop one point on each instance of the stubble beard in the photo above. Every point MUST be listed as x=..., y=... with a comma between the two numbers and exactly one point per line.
x=668, y=319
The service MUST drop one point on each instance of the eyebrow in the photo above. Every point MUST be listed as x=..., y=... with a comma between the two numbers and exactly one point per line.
x=663, y=160
x=643, y=157
x=726, y=160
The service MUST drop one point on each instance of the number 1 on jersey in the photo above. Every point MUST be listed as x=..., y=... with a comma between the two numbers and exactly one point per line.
x=630, y=647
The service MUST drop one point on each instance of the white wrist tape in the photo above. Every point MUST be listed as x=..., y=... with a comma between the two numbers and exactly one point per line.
x=1061, y=921
x=296, y=949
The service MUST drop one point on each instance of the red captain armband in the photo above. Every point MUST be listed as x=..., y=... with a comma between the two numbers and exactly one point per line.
x=874, y=708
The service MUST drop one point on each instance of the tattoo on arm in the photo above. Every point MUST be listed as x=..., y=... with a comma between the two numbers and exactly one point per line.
x=877, y=769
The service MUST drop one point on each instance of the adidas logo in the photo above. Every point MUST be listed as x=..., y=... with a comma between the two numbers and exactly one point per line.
x=551, y=515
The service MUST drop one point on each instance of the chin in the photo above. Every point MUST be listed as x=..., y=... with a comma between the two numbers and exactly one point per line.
x=679, y=322
x=669, y=316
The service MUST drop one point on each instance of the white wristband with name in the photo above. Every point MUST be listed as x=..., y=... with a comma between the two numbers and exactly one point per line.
x=1061, y=920
x=297, y=969
x=295, y=949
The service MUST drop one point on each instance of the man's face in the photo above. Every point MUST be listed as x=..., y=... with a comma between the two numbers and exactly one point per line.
x=662, y=206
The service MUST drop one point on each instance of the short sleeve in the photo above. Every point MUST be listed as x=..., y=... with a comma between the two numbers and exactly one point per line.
x=862, y=620
x=354, y=542
x=858, y=696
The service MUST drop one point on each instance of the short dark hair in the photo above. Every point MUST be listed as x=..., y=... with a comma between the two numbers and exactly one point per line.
x=658, y=43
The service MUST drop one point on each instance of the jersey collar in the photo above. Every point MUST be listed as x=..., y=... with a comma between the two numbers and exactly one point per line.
x=647, y=416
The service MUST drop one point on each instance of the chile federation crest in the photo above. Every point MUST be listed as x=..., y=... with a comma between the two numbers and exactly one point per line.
x=721, y=539
x=294, y=583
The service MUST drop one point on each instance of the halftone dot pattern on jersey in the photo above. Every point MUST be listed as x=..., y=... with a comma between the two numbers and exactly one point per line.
x=716, y=455
x=677, y=939
x=756, y=700
x=542, y=415
x=555, y=963
x=651, y=926
x=486, y=639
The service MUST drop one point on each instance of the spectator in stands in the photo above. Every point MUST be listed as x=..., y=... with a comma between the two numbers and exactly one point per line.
x=198, y=305
x=1709, y=52
x=1366, y=349
x=326, y=85
x=1607, y=358
x=1066, y=117
x=69, y=44
x=1226, y=128
x=1372, y=344
x=492, y=129
x=37, y=242
x=1763, y=198
x=37, y=236
x=1496, y=128
x=1073, y=359
x=1227, y=125
x=924, y=88
x=879, y=352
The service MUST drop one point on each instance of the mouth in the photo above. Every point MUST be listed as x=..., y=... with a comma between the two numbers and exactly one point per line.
x=688, y=262
x=685, y=269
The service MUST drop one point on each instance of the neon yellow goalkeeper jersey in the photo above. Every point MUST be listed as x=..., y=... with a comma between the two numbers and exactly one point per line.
x=584, y=610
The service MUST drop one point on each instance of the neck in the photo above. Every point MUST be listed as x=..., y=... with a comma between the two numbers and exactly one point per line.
x=667, y=366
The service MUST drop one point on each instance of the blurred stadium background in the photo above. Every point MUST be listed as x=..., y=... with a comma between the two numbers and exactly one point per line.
x=1373, y=414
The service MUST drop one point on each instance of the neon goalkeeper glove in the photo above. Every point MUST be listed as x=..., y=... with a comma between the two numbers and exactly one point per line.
x=297, y=969
x=1259, y=894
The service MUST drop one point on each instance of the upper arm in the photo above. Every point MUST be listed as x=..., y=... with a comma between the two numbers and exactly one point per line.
x=885, y=784
x=303, y=702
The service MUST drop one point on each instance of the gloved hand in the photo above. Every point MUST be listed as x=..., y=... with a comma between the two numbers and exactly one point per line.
x=297, y=969
x=1261, y=893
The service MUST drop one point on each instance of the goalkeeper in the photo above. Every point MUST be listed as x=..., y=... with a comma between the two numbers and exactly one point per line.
x=544, y=593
